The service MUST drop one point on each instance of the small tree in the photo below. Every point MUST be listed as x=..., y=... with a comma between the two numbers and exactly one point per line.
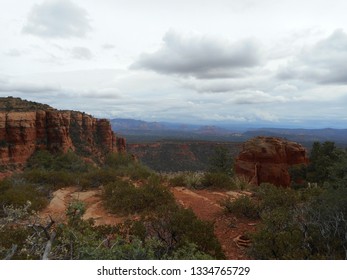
x=221, y=161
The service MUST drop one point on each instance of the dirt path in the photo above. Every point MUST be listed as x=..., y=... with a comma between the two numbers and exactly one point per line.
x=94, y=209
x=207, y=206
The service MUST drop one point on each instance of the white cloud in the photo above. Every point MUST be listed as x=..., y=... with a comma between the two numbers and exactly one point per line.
x=9, y=86
x=322, y=63
x=285, y=88
x=57, y=19
x=266, y=116
x=202, y=56
x=292, y=65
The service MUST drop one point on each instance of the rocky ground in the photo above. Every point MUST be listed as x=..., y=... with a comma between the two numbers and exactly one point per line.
x=206, y=204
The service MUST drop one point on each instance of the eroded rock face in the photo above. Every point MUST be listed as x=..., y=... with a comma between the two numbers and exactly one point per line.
x=267, y=160
x=42, y=127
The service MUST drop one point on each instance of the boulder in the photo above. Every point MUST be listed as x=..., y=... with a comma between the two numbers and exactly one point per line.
x=268, y=159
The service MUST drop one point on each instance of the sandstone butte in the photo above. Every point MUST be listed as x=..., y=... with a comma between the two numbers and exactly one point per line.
x=26, y=127
x=268, y=159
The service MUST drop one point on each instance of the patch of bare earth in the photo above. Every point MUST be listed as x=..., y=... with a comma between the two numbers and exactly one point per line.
x=92, y=199
x=228, y=229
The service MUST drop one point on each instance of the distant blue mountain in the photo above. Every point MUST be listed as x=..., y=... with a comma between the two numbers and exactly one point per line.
x=135, y=129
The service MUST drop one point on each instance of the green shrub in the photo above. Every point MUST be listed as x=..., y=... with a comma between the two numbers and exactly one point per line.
x=98, y=177
x=304, y=224
x=177, y=227
x=13, y=235
x=137, y=172
x=125, y=166
x=115, y=161
x=240, y=183
x=189, y=251
x=58, y=162
x=278, y=237
x=53, y=179
x=217, y=180
x=123, y=197
x=186, y=179
x=221, y=161
x=15, y=192
x=120, y=249
x=272, y=197
x=178, y=179
x=243, y=205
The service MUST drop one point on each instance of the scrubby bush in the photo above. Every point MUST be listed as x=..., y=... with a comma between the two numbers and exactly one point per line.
x=98, y=177
x=187, y=179
x=115, y=161
x=243, y=206
x=303, y=224
x=272, y=197
x=278, y=237
x=176, y=228
x=136, y=172
x=16, y=192
x=240, y=183
x=327, y=167
x=216, y=180
x=52, y=180
x=13, y=236
x=125, y=198
x=62, y=161
x=177, y=179
x=124, y=165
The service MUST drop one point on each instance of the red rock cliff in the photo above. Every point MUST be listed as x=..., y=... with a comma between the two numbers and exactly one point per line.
x=267, y=159
x=27, y=126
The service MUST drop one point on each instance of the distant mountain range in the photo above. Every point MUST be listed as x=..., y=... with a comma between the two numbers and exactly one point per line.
x=141, y=131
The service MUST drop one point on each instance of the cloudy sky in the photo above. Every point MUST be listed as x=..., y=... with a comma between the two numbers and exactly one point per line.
x=249, y=62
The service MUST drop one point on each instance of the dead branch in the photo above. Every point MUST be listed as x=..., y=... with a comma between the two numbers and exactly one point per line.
x=48, y=247
x=11, y=252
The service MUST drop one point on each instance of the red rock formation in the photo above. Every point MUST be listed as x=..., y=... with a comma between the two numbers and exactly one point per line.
x=120, y=144
x=23, y=132
x=267, y=159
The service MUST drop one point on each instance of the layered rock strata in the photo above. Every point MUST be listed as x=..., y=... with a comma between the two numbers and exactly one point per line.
x=23, y=132
x=268, y=159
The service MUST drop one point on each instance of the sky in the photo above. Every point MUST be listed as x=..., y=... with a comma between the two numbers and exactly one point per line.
x=275, y=63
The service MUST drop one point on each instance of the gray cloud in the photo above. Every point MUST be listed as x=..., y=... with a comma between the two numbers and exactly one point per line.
x=323, y=63
x=246, y=97
x=13, y=52
x=81, y=53
x=108, y=46
x=201, y=56
x=57, y=19
x=8, y=86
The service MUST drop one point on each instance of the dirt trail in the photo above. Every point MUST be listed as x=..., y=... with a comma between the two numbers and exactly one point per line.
x=94, y=209
x=206, y=205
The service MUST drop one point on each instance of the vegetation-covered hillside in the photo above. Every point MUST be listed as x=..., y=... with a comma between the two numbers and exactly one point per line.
x=155, y=226
x=179, y=155
x=20, y=105
x=306, y=221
